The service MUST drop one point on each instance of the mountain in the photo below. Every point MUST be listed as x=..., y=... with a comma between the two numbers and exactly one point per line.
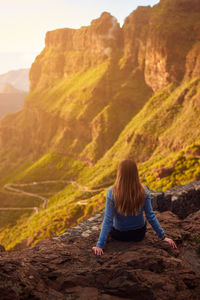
x=10, y=89
x=11, y=99
x=18, y=78
x=98, y=94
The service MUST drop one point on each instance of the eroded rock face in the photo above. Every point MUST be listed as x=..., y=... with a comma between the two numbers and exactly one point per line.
x=156, y=46
x=161, y=40
x=135, y=32
x=69, y=50
x=193, y=62
x=181, y=200
x=67, y=268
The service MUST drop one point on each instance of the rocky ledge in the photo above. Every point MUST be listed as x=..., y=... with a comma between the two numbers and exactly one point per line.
x=64, y=267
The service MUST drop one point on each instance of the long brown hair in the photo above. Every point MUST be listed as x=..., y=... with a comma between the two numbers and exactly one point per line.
x=129, y=193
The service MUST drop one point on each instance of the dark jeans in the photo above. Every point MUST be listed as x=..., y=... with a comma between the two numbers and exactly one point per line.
x=135, y=235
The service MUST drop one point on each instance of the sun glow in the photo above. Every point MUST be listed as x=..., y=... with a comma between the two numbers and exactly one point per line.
x=24, y=23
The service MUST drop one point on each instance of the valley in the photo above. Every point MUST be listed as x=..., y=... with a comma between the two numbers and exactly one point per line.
x=99, y=94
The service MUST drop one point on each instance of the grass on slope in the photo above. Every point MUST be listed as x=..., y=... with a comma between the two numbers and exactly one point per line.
x=155, y=131
x=43, y=187
x=11, y=199
x=50, y=166
x=65, y=209
x=130, y=93
x=141, y=139
x=68, y=95
x=178, y=168
x=68, y=207
x=12, y=219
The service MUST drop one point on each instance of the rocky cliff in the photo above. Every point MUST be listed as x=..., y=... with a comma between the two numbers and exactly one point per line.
x=64, y=267
x=68, y=50
x=150, y=38
x=76, y=89
x=153, y=39
x=82, y=77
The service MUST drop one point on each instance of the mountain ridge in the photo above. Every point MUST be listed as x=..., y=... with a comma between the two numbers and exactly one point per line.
x=88, y=109
x=18, y=78
x=10, y=89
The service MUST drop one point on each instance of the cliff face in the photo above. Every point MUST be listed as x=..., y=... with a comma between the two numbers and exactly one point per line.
x=150, y=38
x=77, y=86
x=193, y=62
x=135, y=32
x=68, y=50
x=84, y=75
x=159, y=40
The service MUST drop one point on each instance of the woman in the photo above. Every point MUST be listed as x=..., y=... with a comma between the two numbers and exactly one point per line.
x=125, y=202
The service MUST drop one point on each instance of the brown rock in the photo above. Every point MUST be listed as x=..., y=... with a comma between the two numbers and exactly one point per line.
x=68, y=50
x=135, y=31
x=163, y=172
x=193, y=62
x=68, y=269
x=2, y=249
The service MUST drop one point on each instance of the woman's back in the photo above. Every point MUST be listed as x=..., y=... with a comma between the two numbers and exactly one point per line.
x=125, y=202
x=123, y=223
x=130, y=222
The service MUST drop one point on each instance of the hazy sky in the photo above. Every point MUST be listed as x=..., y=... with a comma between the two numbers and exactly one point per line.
x=24, y=23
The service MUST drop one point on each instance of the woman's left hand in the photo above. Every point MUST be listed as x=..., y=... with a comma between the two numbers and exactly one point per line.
x=97, y=250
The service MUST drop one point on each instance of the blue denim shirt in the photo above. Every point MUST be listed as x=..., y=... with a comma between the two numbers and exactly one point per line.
x=120, y=222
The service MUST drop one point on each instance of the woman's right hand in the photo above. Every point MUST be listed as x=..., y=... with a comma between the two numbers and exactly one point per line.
x=171, y=242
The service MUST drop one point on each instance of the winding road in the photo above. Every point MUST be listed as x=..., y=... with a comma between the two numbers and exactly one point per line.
x=13, y=188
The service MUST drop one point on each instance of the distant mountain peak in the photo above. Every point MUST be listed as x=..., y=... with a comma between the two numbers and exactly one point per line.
x=19, y=79
x=10, y=89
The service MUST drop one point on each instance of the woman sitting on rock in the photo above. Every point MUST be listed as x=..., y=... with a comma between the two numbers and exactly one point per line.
x=125, y=202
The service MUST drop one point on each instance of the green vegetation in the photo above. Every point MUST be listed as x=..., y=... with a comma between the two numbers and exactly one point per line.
x=63, y=211
x=50, y=166
x=185, y=168
x=68, y=95
x=155, y=142
x=9, y=219
x=130, y=92
x=44, y=187
x=11, y=199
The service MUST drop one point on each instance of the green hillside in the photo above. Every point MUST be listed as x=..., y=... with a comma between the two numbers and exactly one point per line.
x=129, y=95
x=182, y=164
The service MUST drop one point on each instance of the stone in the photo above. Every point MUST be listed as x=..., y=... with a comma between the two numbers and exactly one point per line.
x=68, y=268
x=2, y=249
x=85, y=234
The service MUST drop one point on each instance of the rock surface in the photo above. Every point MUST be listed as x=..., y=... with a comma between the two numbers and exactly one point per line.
x=64, y=267
x=181, y=200
x=147, y=39
x=68, y=50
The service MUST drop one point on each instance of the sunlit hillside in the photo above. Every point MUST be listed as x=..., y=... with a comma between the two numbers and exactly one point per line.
x=99, y=94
